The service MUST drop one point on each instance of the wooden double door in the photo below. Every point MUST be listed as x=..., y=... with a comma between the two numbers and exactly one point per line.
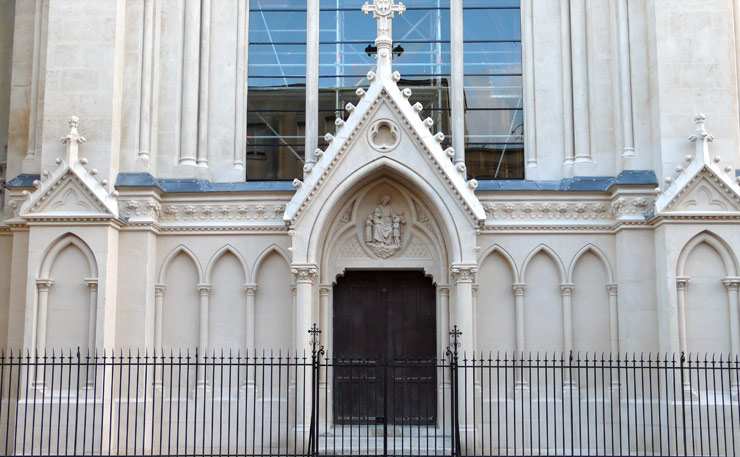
x=385, y=366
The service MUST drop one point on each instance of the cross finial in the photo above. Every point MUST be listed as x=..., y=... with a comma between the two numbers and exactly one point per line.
x=384, y=11
x=701, y=138
x=73, y=139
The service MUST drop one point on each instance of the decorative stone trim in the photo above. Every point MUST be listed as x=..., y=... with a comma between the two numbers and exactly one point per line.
x=463, y=273
x=682, y=282
x=519, y=288
x=732, y=283
x=567, y=289
x=159, y=290
x=92, y=284
x=204, y=289
x=43, y=285
x=250, y=289
x=304, y=273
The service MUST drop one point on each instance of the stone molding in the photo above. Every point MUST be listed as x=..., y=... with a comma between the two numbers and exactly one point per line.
x=732, y=283
x=462, y=273
x=44, y=284
x=519, y=288
x=250, y=289
x=92, y=284
x=682, y=282
x=306, y=273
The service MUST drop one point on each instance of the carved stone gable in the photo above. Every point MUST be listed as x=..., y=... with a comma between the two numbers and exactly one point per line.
x=701, y=186
x=706, y=193
x=70, y=191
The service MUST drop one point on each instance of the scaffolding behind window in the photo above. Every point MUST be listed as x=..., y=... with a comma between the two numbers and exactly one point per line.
x=422, y=38
x=494, y=124
x=276, y=99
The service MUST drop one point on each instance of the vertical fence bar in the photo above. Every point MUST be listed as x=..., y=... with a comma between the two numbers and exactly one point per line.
x=667, y=406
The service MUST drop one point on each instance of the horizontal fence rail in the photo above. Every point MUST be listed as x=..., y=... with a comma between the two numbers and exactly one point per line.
x=281, y=403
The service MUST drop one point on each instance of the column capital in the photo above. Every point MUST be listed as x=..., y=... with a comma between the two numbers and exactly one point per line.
x=159, y=289
x=204, y=289
x=444, y=289
x=92, y=283
x=519, y=288
x=567, y=288
x=682, y=282
x=250, y=288
x=612, y=288
x=463, y=272
x=305, y=273
x=732, y=283
x=324, y=289
x=43, y=285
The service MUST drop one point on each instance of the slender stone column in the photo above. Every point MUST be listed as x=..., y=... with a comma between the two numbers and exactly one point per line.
x=190, y=72
x=204, y=71
x=519, y=289
x=251, y=291
x=613, y=318
x=567, y=297
x=147, y=85
x=205, y=293
x=457, y=89
x=732, y=284
x=312, y=80
x=92, y=287
x=682, y=282
x=242, y=65
x=159, y=290
x=464, y=276
x=581, y=109
x=305, y=276
x=443, y=393
x=42, y=287
x=324, y=317
x=567, y=77
x=625, y=86
x=325, y=393
x=530, y=148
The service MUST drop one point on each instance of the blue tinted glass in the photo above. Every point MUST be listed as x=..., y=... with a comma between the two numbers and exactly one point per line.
x=491, y=24
x=276, y=100
x=494, y=124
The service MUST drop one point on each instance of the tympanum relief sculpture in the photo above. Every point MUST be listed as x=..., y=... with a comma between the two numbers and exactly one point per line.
x=383, y=229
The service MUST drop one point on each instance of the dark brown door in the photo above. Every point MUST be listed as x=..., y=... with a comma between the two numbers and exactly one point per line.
x=385, y=346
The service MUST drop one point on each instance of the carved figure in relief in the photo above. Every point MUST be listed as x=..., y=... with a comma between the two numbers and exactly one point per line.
x=383, y=228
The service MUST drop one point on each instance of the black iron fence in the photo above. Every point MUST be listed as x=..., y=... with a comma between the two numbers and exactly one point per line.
x=277, y=403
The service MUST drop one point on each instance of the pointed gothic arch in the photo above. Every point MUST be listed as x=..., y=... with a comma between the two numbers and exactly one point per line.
x=497, y=249
x=180, y=249
x=543, y=248
x=593, y=249
x=218, y=255
x=58, y=245
x=273, y=248
x=447, y=212
x=715, y=242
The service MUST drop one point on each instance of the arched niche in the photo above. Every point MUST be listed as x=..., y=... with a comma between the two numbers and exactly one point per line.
x=355, y=241
x=67, y=284
x=707, y=296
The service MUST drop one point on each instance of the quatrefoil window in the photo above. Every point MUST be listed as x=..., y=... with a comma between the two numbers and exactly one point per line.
x=383, y=135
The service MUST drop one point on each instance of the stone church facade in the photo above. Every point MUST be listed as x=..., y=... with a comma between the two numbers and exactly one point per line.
x=143, y=229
